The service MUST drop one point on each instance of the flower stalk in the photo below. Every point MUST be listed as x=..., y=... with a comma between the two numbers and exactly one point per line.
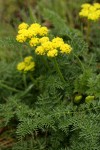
x=88, y=32
x=58, y=70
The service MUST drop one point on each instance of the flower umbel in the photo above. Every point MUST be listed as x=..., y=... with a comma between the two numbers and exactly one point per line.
x=27, y=65
x=34, y=42
x=27, y=32
x=37, y=36
x=23, y=25
x=52, y=53
x=91, y=12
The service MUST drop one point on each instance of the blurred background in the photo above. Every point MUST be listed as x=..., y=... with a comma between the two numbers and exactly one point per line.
x=14, y=11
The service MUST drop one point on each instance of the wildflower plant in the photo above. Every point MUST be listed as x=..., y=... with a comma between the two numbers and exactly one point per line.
x=50, y=94
x=92, y=13
x=38, y=38
x=27, y=65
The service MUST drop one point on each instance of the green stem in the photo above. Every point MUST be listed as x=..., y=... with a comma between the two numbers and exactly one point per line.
x=32, y=79
x=21, y=141
x=24, y=80
x=81, y=64
x=9, y=88
x=88, y=32
x=32, y=141
x=81, y=27
x=45, y=62
x=58, y=70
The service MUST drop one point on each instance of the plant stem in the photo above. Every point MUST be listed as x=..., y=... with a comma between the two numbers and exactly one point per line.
x=32, y=79
x=45, y=62
x=58, y=70
x=9, y=88
x=88, y=32
x=24, y=80
x=81, y=64
x=32, y=141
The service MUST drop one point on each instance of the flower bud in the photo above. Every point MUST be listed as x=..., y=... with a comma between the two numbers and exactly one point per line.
x=89, y=98
x=77, y=98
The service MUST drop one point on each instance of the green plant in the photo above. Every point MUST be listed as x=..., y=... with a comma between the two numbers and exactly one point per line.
x=39, y=106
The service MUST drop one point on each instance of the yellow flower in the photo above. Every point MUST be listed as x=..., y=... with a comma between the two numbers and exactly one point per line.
x=33, y=32
x=21, y=66
x=22, y=35
x=97, y=5
x=21, y=38
x=65, y=48
x=92, y=9
x=86, y=5
x=94, y=16
x=35, y=25
x=48, y=45
x=40, y=50
x=23, y=26
x=34, y=29
x=91, y=12
x=49, y=48
x=22, y=31
x=52, y=53
x=28, y=59
x=43, y=31
x=38, y=37
x=57, y=42
x=29, y=67
x=34, y=41
x=84, y=13
x=26, y=65
x=43, y=39
x=57, y=39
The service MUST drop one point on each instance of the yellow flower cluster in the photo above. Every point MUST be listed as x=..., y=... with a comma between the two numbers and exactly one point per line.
x=91, y=12
x=27, y=65
x=38, y=38
x=52, y=48
x=27, y=32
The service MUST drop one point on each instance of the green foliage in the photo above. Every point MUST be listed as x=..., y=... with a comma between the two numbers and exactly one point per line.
x=63, y=125
x=88, y=83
